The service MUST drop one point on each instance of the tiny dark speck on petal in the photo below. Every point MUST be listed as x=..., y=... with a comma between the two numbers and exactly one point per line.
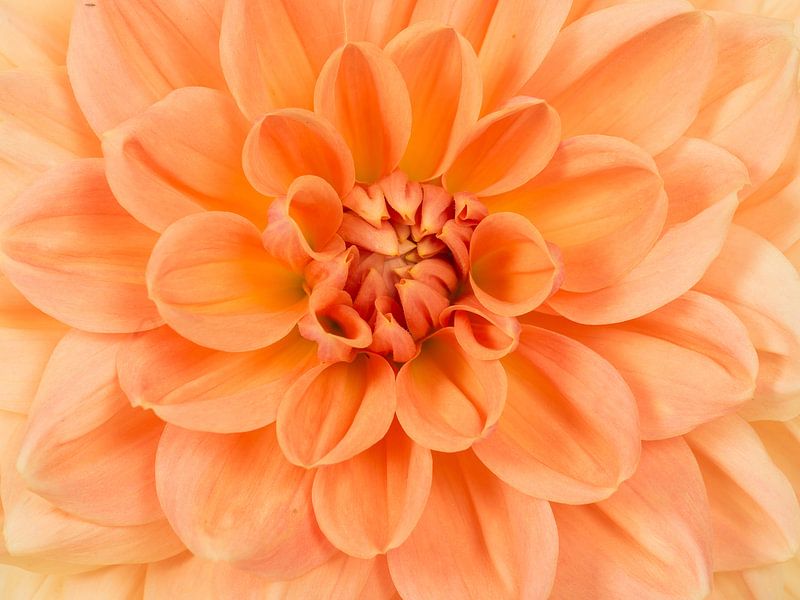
x=89, y=4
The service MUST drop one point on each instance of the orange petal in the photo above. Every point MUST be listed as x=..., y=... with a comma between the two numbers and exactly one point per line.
x=172, y=45
x=288, y=143
x=162, y=166
x=336, y=410
x=480, y=332
x=512, y=270
x=505, y=149
x=234, y=498
x=76, y=254
x=371, y=502
x=215, y=284
x=272, y=51
x=757, y=282
x=83, y=438
x=751, y=106
x=445, y=398
x=765, y=583
x=637, y=70
x=692, y=347
x=570, y=429
x=363, y=94
x=443, y=78
x=208, y=390
x=477, y=538
x=34, y=34
x=701, y=181
x=656, y=528
x=376, y=21
x=601, y=201
x=334, y=325
x=754, y=511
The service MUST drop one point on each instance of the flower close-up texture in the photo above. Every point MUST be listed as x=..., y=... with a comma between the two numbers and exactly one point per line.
x=399, y=299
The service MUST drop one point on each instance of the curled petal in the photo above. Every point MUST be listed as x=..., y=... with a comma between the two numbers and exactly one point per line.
x=162, y=166
x=74, y=253
x=175, y=46
x=381, y=239
x=443, y=78
x=643, y=79
x=422, y=306
x=446, y=399
x=570, y=429
x=336, y=410
x=505, y=149
x=754, y=511
x=385, y=489
x=334, y=324
x=207, y=390
x=480, y=332
x=235, y=498
x=215, y=284
x=512, y=270
x=389, y=336
x=499, y=543
x=657, y=528
x=363, y=94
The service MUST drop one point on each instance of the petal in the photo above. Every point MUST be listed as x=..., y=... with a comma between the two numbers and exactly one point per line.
x=363, y=94
x=570, y=431
x=122, y=581
x=601, y=201
x=701, y=181
x=162, y=166
x=757, y=282
x=207, y=390
x=234, y=498
x=637, y=70
x=694, y=347
x=376, y=21
x=76, y=254
x=480, y=332
x=272, y=51
x=34, y=34
x=512, y=270
x=754, y=511
x=215, y=284
x=764, y=583
x=751, y=106
x=172, y=45
x=286, y=144
x=336, y=410
x=443, y=78
x=656, y=528
x=445, y=398
x=370, y=503
x=83, y=438
x=505, y=149
x=782, y=441
x=477, y=538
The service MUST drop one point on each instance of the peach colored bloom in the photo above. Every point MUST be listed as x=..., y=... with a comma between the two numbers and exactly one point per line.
x=413, y=299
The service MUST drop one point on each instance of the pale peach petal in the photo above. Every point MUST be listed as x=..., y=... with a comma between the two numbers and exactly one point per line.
x=694, y=347
x=505, y=149
x=336, y=410
x=601, y=201
x=512, y=269
x=125, y=582
x=207, y=390
x=765, y=583
x=702, y=181
x=286, y=144
x=362, y=92
x=480, y=332
x=215, y=284
x=446, y=399
x=754, y=511
x=782, y=441
x=477, y=538
x=34, y=34
x=569, y=431
x=162, y=166
x=511, y=37
x=74, y=253
x=19, y=584
x=443, y=78
x=83, y=438
x=125, y=56
x=649, y=540
x=758, y=283
x=637, y=70
x=751, y=106
x=791, y=578
x=234, y=498
x=370, y=503
x=376, y=21
x=273, y=50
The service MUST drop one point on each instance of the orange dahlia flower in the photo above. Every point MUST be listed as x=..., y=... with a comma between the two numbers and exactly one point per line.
x=419, y=299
